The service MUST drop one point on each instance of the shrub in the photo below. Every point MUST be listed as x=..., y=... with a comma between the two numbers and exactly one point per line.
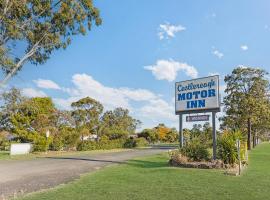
x=195, y=150
x=4, y=143
x=227, y=150
x=102, y=144
x=41, y=143
x=140, y=142
x=57, y=144
x=130, y=143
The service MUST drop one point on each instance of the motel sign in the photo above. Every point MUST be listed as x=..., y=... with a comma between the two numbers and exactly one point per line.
x=197, y=96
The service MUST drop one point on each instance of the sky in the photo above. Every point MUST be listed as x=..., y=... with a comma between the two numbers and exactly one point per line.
x=143, y=47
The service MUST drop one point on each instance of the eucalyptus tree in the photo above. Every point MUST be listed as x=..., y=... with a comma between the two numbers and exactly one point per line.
x=86, y=113
x=246, y=100
x=118, y=123
x=30, y=30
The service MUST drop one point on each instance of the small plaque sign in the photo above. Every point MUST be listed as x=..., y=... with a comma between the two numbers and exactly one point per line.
x=197, y=118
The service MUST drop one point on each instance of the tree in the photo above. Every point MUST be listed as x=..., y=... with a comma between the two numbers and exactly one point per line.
x=11, y=101
x=162, y=131
x=118, y=123
x=150, y=135
x=86, y=113
x=38, y=28
x=246, y=100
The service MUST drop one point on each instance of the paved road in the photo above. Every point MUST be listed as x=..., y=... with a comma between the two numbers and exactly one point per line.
x=25, y=176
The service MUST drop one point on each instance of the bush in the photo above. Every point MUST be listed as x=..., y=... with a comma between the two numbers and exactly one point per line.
x=41, y=143
x=130, y=143
x=227, y=150
x=4, y=143
x=195, y=151
x=65, y=139
x=102, y=144
x=141, y=142
x=57, y=144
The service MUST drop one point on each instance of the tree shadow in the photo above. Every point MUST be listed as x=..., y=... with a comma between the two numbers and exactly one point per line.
x=147, y=164
x=87, y=159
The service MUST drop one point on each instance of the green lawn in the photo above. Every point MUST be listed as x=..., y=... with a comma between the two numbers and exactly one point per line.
x=151, y=178
x=4, y=155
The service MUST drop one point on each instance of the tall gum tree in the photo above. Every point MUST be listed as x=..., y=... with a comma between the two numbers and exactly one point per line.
x=37, y=28
x=247, y=100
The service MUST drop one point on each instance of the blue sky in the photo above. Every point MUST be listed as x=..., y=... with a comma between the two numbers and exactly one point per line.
x=143, y=47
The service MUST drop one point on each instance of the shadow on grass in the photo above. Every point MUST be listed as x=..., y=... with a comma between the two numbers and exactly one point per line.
x=135, y=163
x=147, y=164
x=87, y=159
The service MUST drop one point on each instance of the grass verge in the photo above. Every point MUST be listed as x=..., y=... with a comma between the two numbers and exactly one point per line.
x=151, y=178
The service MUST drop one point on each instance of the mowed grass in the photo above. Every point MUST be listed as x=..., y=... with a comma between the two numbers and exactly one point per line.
x=152, y=178
x=4, y=155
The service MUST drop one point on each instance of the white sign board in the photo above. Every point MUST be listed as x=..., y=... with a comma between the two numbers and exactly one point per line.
x=20, y=148
x=200, y=94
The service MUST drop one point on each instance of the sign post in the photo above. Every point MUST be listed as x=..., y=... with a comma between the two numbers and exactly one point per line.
x=197, y=96
x=181, y=135
x=214, y=135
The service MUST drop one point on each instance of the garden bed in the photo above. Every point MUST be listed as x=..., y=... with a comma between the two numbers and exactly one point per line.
x=215, y=164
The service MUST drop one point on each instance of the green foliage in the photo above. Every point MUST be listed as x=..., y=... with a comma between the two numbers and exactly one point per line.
x=39, y=28
x=4, y=143
x=150, y=135
x=65, y=139
x=117, y=124
x=141, y=142
x=247, y=101
x=102, y=144
x=227, y=150
x=30, y=118
x=160, y=133
x=130, y=143
x=86, y=113
x=195, y=150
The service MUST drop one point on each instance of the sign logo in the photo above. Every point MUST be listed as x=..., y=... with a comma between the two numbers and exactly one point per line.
x=200, y=94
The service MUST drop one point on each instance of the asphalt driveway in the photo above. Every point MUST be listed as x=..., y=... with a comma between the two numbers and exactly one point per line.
x=18, y=177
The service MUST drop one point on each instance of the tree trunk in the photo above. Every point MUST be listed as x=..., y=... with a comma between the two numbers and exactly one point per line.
x=254, y=141
x=249, y=134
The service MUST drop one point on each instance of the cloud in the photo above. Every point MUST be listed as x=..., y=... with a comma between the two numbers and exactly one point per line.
x=158, y=109
x=30, y=92
x=47, y=84
x=167, y=30
x=86, y=85
x=217, y=53
x=168, y=70
x=244, y=47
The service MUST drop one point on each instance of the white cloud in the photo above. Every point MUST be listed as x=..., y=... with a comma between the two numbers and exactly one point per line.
x=217, y=53
x=30, y=92
x=168, y=70
x=167, y=30
x=157, y=110
x=85, y=85
x=47, y=84
x=244, y=47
